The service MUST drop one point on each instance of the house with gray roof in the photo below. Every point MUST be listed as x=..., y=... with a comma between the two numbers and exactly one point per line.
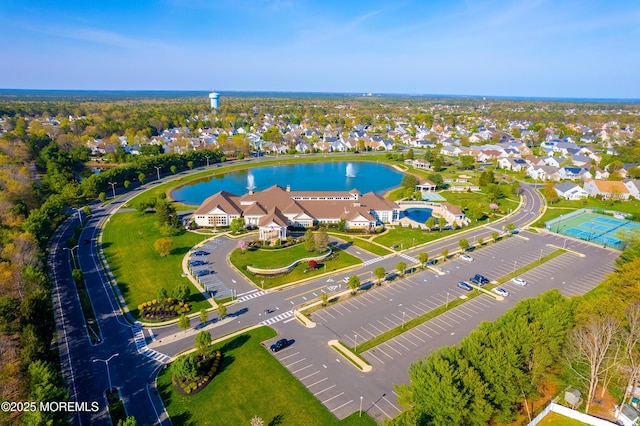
x=570, y=191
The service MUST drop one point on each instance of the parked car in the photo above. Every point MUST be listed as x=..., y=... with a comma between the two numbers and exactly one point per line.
x=279, y=345
x=479, y=279
x=466, y=257
x=198, y=262
x=465, y=286
x=519, y=281
x=501, y=291
x=201, y=253
x=202, y=273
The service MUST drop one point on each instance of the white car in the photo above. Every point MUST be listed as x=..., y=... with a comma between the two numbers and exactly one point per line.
x=501, y=291
x=519, y=281
x=466, y=257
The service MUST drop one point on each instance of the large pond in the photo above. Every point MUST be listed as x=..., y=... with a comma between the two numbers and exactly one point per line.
x=330, y=176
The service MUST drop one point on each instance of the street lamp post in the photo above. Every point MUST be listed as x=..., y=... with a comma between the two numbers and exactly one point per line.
x=75, y=264
x=79, y=214
x=447, y=300
x=106, y=361
x=514, y=266
x=355, y=342
x=540, y=260
x=403, y=315
x=113, y=188
x=360, y=407
x=157, y=171
x=207, y=157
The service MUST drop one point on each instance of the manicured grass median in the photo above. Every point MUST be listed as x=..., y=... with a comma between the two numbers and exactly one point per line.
x=275, y=258
x=251, y=383
x=138, y=269
x=362, y=243
x=342, y=260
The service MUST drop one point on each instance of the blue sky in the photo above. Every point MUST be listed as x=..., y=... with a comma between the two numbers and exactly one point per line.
x=555, y=48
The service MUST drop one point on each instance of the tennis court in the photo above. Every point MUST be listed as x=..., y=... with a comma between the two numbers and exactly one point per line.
x=589, y=226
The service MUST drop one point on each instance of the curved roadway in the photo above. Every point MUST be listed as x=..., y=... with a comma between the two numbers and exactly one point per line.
x=134, y=374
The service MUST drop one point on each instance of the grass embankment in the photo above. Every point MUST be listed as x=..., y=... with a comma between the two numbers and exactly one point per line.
x=251, y=382
x=556, y=419
x=271, y=258
x=138, y=269
x=394, y=332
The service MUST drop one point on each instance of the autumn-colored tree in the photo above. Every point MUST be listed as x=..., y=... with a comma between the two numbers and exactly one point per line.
x=163, y=246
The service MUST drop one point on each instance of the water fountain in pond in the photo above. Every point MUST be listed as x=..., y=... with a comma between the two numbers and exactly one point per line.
x=251, y=183
x=350, y=170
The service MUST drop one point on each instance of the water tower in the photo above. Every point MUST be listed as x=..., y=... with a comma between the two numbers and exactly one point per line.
x=215, y=99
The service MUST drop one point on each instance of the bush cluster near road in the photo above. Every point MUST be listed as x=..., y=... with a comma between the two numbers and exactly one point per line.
x=250, y=382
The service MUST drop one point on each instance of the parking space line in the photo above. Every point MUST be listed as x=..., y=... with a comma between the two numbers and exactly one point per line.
x=372, y=335
x=351, y=305
x=377, y=329
x=428, y=307
x=392, y=348
x=383, y=324
x=433, y=321
x=357, y=300
x=309, y=375
x=417, y=337
x=454, y=312
x=423, y=332
x=319, y=381
x=414, y=312
x=324, y=390
x=300, y=369
x=427, y=326
x=383, y=412
x=288, y=356
x=374, y=355
x=379, y=347
x=448, y=316
x=403, y=336
x=295, y=362
x=333, y=397
x=419, y=309
x=329, y=313
x=391, y=321
x=397, y=342
x=391, y=403
x=337, y=408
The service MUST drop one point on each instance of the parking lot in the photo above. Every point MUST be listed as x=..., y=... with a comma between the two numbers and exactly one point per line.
x=339, y=385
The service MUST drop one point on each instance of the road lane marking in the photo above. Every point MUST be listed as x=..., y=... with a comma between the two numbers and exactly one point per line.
x=304, y=292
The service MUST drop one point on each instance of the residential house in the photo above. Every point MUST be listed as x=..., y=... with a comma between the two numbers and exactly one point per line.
x=634, y=188
x=418, y=163
x=570, y=191
x=544, y=173
x=515, y=164
x=606, y=189
x=574, y=173
x=453, y=214
x=425, y=185
x=553, y=161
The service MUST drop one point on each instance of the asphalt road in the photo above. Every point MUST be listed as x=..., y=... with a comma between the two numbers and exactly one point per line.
x=330, y=378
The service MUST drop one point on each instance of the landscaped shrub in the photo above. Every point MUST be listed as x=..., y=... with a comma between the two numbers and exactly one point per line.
x=207, y=370
x=162, y=311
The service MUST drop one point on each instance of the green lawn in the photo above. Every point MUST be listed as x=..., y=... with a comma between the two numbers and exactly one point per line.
x=362, y=243
x=240, y=261
x=462, y=197
x=138, y=269
x=274, y=258
x=251, y=383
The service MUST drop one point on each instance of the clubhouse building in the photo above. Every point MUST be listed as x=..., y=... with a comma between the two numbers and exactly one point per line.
x=276, y=208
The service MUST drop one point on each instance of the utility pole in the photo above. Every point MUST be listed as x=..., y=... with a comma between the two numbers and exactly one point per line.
x=113, y=188
x=158, y=171
x=106, y=361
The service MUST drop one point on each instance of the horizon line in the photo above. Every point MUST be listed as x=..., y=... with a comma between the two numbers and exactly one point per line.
x=343, y=93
